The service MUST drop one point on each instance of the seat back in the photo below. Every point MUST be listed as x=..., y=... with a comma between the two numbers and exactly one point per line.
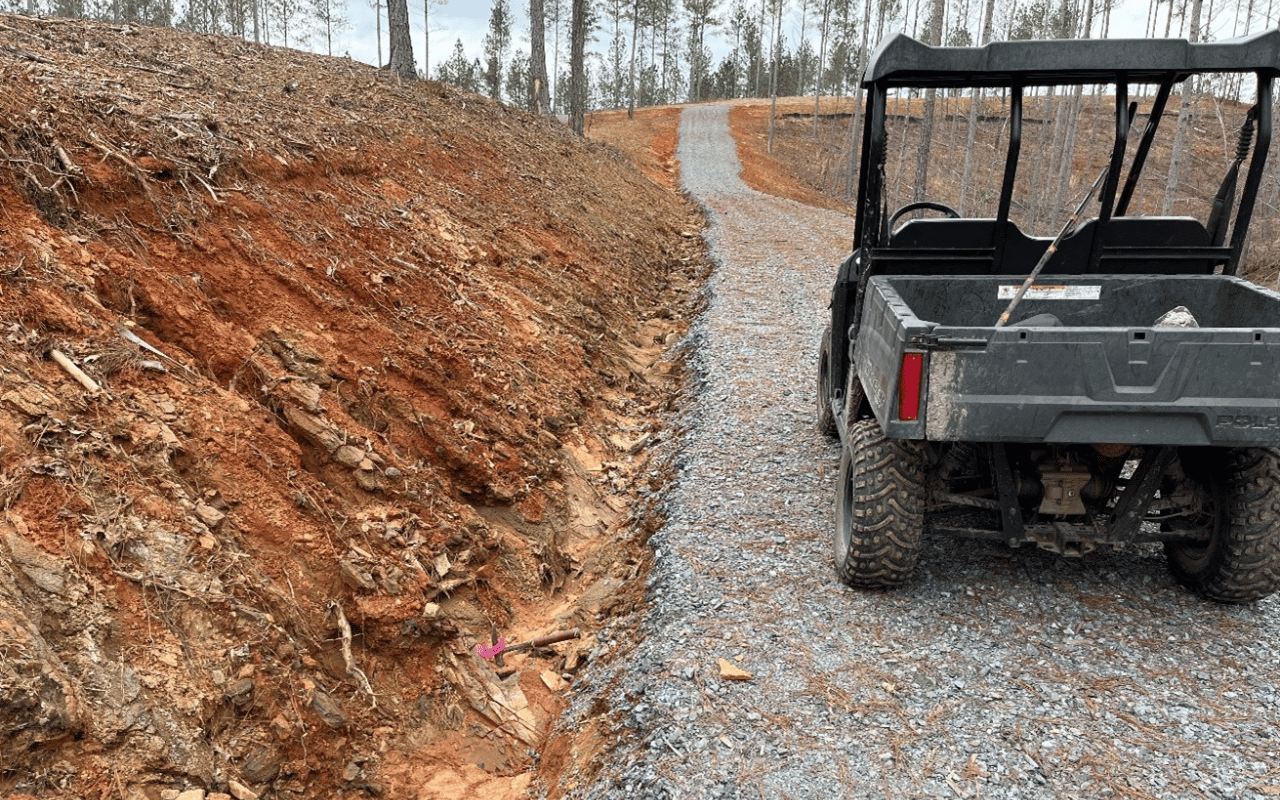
x=1130, y=245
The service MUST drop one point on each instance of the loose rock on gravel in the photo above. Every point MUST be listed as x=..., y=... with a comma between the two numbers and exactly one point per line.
x=995, y=673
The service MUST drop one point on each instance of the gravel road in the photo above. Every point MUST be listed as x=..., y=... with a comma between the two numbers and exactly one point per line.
x=996, y=673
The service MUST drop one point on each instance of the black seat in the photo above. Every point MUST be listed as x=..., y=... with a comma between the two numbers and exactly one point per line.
x=1131, y=245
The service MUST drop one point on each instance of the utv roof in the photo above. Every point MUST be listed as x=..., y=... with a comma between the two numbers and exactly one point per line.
x=903, y=61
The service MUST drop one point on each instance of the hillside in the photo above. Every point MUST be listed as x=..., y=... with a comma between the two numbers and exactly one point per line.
x=369, y=372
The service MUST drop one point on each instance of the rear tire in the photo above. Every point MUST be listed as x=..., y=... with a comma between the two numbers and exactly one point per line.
x=826, y=419
x=879, y=508
x=1241, y=561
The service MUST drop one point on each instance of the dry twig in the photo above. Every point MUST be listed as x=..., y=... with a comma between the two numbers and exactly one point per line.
x=543, y=641
x=74, y=371
x=354, y=671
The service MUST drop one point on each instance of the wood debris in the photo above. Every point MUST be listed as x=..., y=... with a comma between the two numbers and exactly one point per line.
x=75, y=372
x=731, y=673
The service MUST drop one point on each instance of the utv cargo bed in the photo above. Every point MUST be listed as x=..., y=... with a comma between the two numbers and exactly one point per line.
x=1085, y=364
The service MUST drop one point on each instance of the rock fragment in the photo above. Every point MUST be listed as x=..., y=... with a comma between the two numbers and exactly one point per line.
x=328, y=709
x=731, y=673
x=240, y=791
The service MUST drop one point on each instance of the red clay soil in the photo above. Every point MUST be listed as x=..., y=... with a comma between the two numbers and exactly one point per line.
x=791, y=170
x=648, y=139
x=311, y=381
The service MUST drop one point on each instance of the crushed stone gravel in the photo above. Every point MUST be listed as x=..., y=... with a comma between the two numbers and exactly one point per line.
x=997, y=673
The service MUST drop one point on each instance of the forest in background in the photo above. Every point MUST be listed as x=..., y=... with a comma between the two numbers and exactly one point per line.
x=601, y=54
x=656, y=52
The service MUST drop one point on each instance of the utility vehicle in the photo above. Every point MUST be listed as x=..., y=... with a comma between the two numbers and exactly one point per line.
x=1117, y=383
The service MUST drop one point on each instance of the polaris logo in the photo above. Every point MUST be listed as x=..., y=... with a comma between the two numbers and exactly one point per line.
x=1246, y=421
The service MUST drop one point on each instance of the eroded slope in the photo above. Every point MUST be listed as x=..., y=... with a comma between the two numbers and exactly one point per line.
x=380, y=365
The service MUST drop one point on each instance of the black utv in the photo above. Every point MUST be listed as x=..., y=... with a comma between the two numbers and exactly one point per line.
x=1115, y=383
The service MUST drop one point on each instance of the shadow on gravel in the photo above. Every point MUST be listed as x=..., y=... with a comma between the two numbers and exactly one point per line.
x=1133, y=582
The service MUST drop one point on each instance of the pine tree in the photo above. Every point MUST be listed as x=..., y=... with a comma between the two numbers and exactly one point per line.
x=737, y=21
x=401, y=49
x=426, y=33
x=496, y=43
x=613, y=80
x=753, y=58
x=519, y=85
x=539, y=89
x=631, y=68
x=458, y=71
x=331, y=18
x=578, y=66
x=700, y=14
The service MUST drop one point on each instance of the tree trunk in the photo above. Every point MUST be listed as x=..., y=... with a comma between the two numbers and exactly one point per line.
x=538, y=57
x=377, y=20
x=773, y=80
x=855, y=128
x=577, y=66
x=760, y=62
x=401, y=45
x=1067, y=166
x=1184, y=122
x=975, y=111
x=933, y=37
x=631, y=71
x=822, y=57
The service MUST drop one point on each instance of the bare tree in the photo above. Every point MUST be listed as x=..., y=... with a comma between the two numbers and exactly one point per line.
x=1065, y=167
x=822, y=59
x=1185, y=112
x=855, y=127
x=426, y=33
x=974, y=113
x=330, y=16
x=932, y=36
x=779, y=5
x=631, y=70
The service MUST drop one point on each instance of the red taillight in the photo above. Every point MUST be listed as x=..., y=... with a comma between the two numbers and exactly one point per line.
x=909, y=386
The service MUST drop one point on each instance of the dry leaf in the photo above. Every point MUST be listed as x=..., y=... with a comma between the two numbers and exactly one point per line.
x=731, y=673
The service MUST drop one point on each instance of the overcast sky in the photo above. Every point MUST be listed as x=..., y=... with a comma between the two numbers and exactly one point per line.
x=456, y=19
x=468, y=20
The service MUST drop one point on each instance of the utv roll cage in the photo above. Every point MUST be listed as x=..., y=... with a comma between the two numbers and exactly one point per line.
x=1101, y=245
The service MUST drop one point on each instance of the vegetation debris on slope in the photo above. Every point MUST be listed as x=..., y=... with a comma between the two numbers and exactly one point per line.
x=380, y=365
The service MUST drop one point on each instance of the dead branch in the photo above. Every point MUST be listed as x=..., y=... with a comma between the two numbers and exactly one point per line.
x=109, y=152
x=212, y=194
x=75, y=371
x=355, y=672
x=543, y=641
x=24, y=54
x=133, y=338
x=67, y=163
x=152, y=70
